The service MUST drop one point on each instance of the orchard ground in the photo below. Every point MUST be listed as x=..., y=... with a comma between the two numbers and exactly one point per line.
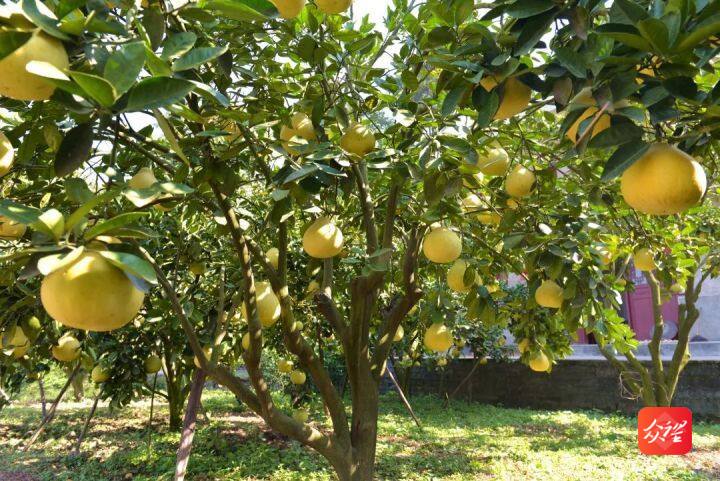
x=464, y=442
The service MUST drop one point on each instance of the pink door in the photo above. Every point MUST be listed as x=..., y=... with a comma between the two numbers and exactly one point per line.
x=640, y=311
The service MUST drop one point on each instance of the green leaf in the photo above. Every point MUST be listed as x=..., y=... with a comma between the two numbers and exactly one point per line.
x=157, y=92
x=131, y=264
x=617, y=134
x=702, y=32
x=77, y=190
x=169, y=135
x=96, y=87
x=153, y=22
x=178, y=44
x=75, y=149
x=453, y=98
x=116, y=222
x=198, y=56
x=124, y=65
x=572, y=61
x=683, y=87
x=626, y=34
x=12, y=40
x=52, y=223
x=55, y=76
x=243, y=10
x=19, y=213
x=47, y=24
x=533, y=30
x=631, y=10
x=622, y=158
x=460, y=146
x=655, y=32
x=528, y=8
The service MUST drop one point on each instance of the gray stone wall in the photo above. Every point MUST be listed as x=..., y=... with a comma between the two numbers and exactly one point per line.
x=573, y=384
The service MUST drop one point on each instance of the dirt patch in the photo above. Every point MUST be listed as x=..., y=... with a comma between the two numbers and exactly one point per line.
x=16, y=476
x=705, y=461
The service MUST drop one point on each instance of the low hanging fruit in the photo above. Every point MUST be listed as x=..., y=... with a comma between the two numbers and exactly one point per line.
x=285, y=366
x=289, y=9
x=358, y=140
x=17, y=82
x=152, y=364
x=246, y=341
x=399, y=334
x=11, y=230
x=644, y=260
x=442, y=246
x=67, y=349
x=298, y=377
x=99, y=374
x=495, y=161
x=519, y=182
x=7, y=155
x=549, y=294
x=301, y=415
x=15, y=341
x=456, y=277
x=91, y=294
x=303, y=126
x=539, y=362
x=323, y=239
x=438, y=338
x=143, y=179
x=665, y=180
x=514, y=99
x=286, y=136
x=585, y=100
x=267, y=303
x=272, y=256
x=524, y=345
x=333, y=7
x=207, y=351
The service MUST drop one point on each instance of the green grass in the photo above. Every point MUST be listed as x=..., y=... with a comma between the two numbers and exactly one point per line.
x=464, y=442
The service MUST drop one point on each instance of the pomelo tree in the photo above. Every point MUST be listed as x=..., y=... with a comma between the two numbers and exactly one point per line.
x=305, y=147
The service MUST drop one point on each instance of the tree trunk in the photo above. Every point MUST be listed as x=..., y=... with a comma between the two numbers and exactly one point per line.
x=193, y=405
x=84, y=431
x=43, y=401
x=51, y=412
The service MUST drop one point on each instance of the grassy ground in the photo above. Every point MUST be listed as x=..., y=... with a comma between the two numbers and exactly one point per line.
x=464, y=442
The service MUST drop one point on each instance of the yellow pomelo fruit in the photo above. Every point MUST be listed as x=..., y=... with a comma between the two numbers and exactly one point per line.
x=539, y=362
x=144, y=179
x=665, y=180
x=523, y=345
x=19, y=84
x=272, y=256
x=198, y=268
x=303, y=126
x=246, y=341
x=549, y=294
x=333, y=6
x=442, y=246
x=479, y=178
x=438, y=338
x=399, y=334
x=644, y=260
x=471, y=203
x=456, y=275
x=442, y=362
x=677, y=288
x=515, y=96
x=490, y=218
x=17, y=341
x=519, y=182
x=152, y=364
x=91, y=294
x=286, y=135
x=297, y=377
x=483, y=360
x=208, y=352
x=289, y=9
x=11, y=230
x=73, y=23
x=7, y=155
x=495, y=161
x=285, y=366
x=358, y=140
x=268, y=304
x=99, y=374
x=301, y=415
x=512, y=204
x=323, y=239
x=602, y=124
x=68, y=349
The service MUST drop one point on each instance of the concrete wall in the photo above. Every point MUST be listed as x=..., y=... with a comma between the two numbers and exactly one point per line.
x=708, y=324
x=583, y=384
